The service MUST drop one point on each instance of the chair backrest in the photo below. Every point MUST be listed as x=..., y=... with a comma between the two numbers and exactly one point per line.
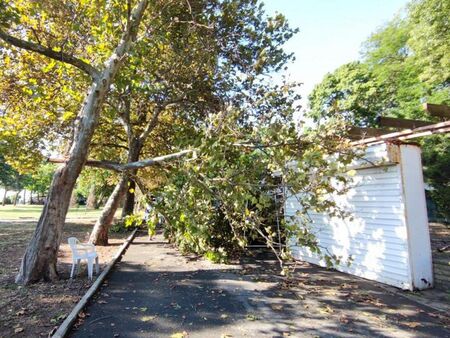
x=73, y=241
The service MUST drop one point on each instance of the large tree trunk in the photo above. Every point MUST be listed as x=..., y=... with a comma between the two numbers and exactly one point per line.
x=99, y=235
x=135, y=148
x=91, y=202
x=39, y=261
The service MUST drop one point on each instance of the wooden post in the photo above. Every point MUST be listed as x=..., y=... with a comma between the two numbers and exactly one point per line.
x=438, y=110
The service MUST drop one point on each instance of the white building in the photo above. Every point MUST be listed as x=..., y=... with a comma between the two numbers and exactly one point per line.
x=388, y=239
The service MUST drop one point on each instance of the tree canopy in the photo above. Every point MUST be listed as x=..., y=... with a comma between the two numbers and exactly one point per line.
x=192, y=80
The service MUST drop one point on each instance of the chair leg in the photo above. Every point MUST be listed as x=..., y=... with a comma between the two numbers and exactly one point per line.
x=90, y=263
x=77, y=267
x=72, y=270
x=97, y=266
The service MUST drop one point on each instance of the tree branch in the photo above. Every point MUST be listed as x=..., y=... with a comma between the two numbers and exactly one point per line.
x=109, y=165
x=49, y=52
x=154, y=119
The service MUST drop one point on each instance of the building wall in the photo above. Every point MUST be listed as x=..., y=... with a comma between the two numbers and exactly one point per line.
x=379, y=241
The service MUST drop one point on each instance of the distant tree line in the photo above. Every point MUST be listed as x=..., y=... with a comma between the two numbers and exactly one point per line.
x=404, y=64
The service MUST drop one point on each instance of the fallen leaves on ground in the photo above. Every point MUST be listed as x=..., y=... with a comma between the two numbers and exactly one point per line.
x=326, y=310
x=183, y=334
x=147, y=318
x=251, y=317
x=412, y=325
x=276, y=307
x=18, y=329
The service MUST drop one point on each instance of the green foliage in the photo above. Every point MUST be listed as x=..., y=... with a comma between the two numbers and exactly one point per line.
x=202, y=71
x=129, y=223
x=405, y=63
x=217, y=256
x=7, y=174
x=350, y=92
x=132, y=221
x=429, y=37
x=151, y=223
x=436, y=161
x=41, y=179
x=102, y=181
x=11, y=179
x=222, y=199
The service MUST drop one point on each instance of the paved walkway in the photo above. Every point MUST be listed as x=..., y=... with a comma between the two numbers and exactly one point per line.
x=156, y=292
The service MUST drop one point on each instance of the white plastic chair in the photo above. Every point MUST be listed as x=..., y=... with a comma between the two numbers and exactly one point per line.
x=83, y=251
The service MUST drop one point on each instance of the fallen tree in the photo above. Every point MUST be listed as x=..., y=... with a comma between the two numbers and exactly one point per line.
x=99, y=234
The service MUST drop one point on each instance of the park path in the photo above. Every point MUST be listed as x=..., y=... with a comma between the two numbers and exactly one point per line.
x=156, y=292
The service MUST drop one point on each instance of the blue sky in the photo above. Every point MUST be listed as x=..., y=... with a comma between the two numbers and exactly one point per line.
x=331, y=33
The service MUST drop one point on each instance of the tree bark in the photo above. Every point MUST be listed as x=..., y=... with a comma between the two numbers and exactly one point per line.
x=91, y=202
x=16, y=198
x=99, y=235
x=39, y=261
x=133, y=156
x=4, y=197
x=73, y=199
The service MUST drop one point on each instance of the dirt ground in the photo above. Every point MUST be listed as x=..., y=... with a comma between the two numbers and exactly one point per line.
x=36, y=310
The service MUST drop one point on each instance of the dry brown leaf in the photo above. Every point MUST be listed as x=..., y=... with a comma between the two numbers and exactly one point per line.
x=412, y=325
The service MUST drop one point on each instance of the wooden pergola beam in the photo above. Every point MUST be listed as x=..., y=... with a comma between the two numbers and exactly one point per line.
x=359, y=133
x=438, y=110
x=437, y=128
x=392, y=122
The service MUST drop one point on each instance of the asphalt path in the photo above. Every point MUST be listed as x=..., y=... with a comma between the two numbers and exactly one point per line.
x=157, y=292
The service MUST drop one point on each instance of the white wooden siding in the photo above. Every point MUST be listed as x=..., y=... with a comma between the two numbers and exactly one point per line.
x=378, y=238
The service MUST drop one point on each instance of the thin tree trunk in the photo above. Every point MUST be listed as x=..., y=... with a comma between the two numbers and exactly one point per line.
x=4, y=197
x=39, y=261
x=73, y=199
x=134, y=152
x=99, y=235
x=16, y=198
x=91, y=199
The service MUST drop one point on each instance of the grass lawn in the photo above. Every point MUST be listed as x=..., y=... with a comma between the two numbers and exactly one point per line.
x=9, y=212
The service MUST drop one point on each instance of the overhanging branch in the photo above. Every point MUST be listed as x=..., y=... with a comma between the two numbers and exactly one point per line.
x=56, y=55
x=128, y=166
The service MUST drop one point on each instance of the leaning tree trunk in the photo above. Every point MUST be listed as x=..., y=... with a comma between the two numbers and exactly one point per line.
x=39, y=261
x=99, y=235
x=134, y=152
